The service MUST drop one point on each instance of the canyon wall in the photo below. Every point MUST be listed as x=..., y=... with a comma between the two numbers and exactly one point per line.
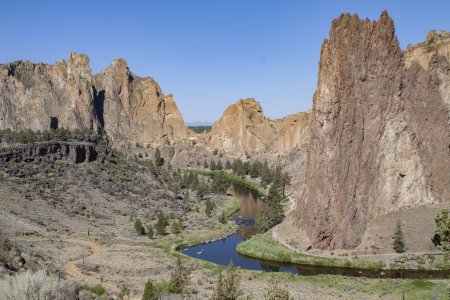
x=134, y=109
x=244, y=131
x=128, y=108
x=380, y=138
x=31, y=94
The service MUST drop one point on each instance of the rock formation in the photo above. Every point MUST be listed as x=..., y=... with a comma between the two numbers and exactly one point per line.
x=31, y=94
x=128, y=108
x=380, y=138
x=134, y=109
x=243, y=131
x=77, y=152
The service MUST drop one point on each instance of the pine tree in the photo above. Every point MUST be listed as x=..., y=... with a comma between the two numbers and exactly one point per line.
x=399, y=240
x=229, y=285
x=161, y=224
x=138, y=227
x=209, y=208
x=150, y=292
x=180, y=277
x=441, y=236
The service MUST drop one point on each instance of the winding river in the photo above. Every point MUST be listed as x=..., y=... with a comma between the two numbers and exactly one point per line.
x=223, y=251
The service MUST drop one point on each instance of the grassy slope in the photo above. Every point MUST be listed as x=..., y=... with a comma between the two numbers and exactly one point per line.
x=264, y=247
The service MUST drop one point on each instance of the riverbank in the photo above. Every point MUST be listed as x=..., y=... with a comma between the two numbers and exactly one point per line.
x=262, y=246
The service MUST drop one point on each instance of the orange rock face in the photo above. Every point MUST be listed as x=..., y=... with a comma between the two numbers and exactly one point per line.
x=244, y=131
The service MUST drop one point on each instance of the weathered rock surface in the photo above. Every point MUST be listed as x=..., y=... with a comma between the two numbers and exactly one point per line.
x=134, y=109
x=380, y=138
x=243, y=130
x=32, y=93
x=77, y=152
x=128, y=108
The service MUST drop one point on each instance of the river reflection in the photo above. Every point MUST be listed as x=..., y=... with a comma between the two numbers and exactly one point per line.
x=223, y=251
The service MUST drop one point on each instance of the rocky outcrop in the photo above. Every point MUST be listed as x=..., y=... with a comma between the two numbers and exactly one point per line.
x=244, y=131
x=32, y=96
x=129, y=109
x=380, y=138
x=134, y=109
x=77, y=152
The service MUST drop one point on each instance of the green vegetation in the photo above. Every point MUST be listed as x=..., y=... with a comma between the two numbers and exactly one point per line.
x=399, y=240
x=209, y=207
x=223, y=218
x=161, y=224
x=277, y=292
x=229, y=285
x=441, y=237
x=138, y=227
x=264, y=247
x=150, y=231
x=219, y=183
x=29, y=136
x=150, y=291
x=98, y=290
x=180, y=277
x=386, y=288
x=176, y=226
x=200, y=129
x=272, y=212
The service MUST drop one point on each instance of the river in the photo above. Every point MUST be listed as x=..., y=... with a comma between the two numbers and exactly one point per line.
x=223, y=251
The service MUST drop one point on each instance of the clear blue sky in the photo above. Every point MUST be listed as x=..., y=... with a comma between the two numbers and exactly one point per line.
x=208, y=53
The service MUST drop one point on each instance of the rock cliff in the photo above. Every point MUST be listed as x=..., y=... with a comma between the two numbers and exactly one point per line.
x=31, y=94
x=380, y=138
x=129, y=109
x=134, y=109
x=244, y=131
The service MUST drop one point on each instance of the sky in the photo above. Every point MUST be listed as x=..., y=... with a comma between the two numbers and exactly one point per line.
x=207, y=53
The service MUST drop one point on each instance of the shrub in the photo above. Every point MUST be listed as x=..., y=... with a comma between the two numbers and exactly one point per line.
x=180, y=277
x=176, y=226
x=441, y=236
x=150, y=231
x=161, y=224
x=150, y=292
x=5, y=247
x=98, y=289
x=223, y=218
x=399, y=241
x=276, y=292
x=209, y=207
x=30, y=286
x=228, y=287
x=138, y=227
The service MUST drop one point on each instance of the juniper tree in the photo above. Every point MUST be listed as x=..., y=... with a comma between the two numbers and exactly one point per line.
x=138, y=227
x=150, y=291
x=441, y=236
x=229, y=285
x=161, y=224
x=180, y=277
x=399, y=240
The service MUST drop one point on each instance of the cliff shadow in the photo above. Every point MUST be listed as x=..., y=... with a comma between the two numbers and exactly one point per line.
x=99, y=102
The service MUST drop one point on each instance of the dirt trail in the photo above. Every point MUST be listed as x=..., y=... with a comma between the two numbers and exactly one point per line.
x=71, y=266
